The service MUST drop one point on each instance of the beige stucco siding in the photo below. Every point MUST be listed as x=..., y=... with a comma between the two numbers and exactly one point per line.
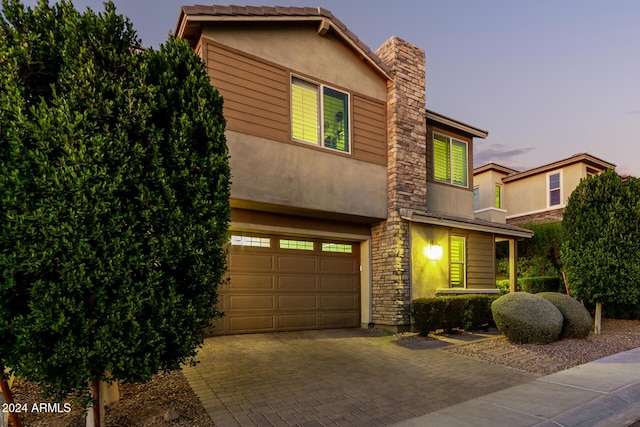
x=298, y=46
x=486, y=184
x=269, y=172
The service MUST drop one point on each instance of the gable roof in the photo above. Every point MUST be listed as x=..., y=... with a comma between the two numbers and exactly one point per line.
x=586, y=158
x=496, y=167
x=192, y=17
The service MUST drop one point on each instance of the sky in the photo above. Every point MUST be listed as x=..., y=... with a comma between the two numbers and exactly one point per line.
x=547, y=79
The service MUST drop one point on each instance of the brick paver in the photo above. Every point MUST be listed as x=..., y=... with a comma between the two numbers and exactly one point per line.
x=340, y=377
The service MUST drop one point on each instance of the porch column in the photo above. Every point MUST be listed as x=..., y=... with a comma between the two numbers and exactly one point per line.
x=513, y=264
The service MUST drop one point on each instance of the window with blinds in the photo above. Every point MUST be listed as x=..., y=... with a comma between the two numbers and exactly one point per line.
x=457, y=256
x=450, y=160
x=554, y=189
x=498, y=196
x=314, y=104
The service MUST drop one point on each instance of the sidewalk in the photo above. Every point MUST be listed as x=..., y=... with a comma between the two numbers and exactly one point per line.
x=605, y=392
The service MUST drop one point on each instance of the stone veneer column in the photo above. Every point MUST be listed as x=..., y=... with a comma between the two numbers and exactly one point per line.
x=406, y=168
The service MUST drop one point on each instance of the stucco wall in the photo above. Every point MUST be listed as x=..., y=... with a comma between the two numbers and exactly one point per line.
x=450, y=200
x=428, y=275
x=270, y=172
x=299, y=47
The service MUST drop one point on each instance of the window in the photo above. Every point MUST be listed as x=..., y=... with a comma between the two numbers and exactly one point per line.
x=301, y=245
x=337, y=247
x=554, y=189
x=449, y=160
x=476, y=199
x=458, y=269
x=260, y=242
x=312, y=105
x=498, y=196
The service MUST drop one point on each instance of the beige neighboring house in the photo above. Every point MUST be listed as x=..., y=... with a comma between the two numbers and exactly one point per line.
x=349, y=198
x=533, y=196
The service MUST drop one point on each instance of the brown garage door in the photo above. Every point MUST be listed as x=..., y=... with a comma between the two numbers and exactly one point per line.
x=281, y=283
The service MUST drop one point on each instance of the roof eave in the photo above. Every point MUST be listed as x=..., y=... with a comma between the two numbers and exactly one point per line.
x=439, y=118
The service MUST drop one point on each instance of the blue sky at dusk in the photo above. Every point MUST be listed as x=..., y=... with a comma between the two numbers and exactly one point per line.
x=547, y=79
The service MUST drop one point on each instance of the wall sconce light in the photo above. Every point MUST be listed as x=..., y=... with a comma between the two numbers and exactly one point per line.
x=433, y=251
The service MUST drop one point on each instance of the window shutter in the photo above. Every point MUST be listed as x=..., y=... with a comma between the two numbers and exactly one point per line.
x=441, y=171
x=459, y=162
x=304, y=111
x=457, y=253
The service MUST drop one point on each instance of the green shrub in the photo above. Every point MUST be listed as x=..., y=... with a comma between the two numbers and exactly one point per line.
x=526, y=318
x=478, y=312
x=503, y=285
x=469, y=312
x=535, y=285
x=427, y=314
x=577, y=321
x=619, y=311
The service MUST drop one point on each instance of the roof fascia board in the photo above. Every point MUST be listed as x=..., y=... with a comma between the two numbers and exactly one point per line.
x=468, y=226
x=583, y=158
x=456, y=124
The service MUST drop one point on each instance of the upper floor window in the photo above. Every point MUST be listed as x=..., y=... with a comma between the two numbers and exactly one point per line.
x=314, y=104
x=498, y=196
x=450, y=160
x=554, y=189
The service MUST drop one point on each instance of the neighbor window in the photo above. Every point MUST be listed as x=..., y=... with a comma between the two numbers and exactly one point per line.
x=457, y=254
x=554, y=189
x=498, y=196
x=449, y=160
x=319, y=115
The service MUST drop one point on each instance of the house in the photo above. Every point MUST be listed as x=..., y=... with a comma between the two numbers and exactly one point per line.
x=536, y=195
x=349, y=198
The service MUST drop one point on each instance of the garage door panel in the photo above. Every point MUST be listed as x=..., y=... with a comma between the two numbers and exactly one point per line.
x=338, y=302
x=297, y=264
x=338, y=320
x=250, y=262
x=241, y=282
x=344, y=283
x=304, y=283
x=298, y=321
x=297, y=302
x=240, y=324
x=339, y=266
x=251, y=302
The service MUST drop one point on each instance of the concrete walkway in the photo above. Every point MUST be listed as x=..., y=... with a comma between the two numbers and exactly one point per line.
x=355, y=377
x=605, y=392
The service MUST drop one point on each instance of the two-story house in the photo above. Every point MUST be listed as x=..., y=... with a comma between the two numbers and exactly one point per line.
x=535, y=195
x=348, y=197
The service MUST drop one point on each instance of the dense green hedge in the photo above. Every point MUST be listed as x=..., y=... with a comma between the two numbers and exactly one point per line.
x=526, y=318
x=467, y=312
x=535, y=285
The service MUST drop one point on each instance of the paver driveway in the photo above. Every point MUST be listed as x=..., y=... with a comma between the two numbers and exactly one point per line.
x=340, y=377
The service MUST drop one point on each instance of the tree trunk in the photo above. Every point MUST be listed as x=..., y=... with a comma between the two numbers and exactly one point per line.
x=598, y=317
x=8, y=398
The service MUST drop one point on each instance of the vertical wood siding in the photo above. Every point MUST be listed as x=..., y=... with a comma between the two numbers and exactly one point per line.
x=256, y=102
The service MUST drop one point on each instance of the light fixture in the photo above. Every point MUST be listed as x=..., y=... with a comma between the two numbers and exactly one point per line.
x=433, y=251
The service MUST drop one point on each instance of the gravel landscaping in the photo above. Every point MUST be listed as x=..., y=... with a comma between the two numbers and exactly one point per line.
x=168, y=395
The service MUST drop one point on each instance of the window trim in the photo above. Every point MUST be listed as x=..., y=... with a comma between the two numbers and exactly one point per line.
x=320, y=131
x=463, y=263
x=450, y=163
x=558, y=189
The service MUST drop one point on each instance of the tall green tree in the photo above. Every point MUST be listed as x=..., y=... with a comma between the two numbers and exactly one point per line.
x=114, y=189
x=601, y=245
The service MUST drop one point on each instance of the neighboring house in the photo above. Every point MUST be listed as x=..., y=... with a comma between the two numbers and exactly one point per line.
x=536, y=195
x=348, y=197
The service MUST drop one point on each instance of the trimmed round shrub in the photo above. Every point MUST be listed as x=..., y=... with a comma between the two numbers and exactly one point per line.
x=526, y=318
x=577, y=321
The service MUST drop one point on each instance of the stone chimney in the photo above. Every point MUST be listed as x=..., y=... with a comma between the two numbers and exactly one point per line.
x=407, y=182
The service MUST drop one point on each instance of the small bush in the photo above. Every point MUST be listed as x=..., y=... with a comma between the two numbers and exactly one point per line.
x=503, y=285
x=468, y=312
x=577, y=321
x=535, y=285
x=526, y=318
x=620, y=311
x=478, y=312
